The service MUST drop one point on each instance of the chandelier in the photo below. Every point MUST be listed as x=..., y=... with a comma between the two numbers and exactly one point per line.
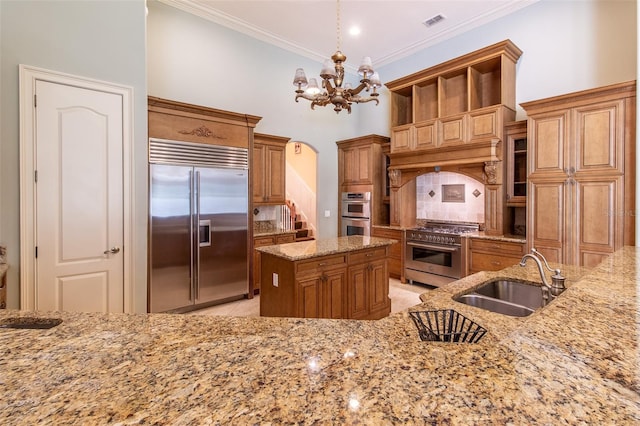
x=332, y=74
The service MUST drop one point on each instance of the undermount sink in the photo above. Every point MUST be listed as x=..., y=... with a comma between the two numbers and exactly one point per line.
x=30, y=323
x=507, y=297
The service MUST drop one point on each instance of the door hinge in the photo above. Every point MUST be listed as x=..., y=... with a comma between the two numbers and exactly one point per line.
x=36, y=252
x=35, y=176
x=35, y=101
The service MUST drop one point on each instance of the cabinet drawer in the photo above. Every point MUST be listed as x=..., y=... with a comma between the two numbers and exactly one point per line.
x=367, y=255
x=497, y=247
x=490, y=262
x=394, y=234
x=321, y=264
x=263, y=241
x=284, y=239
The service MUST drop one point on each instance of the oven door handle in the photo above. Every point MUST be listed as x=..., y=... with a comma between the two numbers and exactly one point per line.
x=440, y=248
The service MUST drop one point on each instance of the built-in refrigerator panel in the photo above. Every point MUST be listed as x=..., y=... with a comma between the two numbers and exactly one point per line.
x=198, y=250
x=170, y=236
x=223, y=204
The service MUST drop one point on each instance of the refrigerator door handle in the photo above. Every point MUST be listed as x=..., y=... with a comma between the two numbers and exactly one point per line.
x=191, y=240
x=197, y=245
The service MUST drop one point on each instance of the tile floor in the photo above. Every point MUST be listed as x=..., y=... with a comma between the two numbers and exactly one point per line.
x=403, y=296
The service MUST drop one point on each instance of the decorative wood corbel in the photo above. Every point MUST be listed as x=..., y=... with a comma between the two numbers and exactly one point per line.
x=491, y=172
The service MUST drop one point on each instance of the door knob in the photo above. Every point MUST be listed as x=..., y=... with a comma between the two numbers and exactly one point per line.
x=112, y=250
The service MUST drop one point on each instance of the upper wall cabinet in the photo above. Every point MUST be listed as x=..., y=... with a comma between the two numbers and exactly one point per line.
x=456, y=102
x=268, y=169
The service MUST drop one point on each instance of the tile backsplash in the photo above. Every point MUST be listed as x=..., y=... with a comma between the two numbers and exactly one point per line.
x=430, y=204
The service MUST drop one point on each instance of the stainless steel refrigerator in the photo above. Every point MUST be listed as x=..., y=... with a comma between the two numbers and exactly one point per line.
x=198, y=225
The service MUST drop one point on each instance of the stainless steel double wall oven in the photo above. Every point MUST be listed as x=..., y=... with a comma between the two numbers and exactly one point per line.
x=355, y=214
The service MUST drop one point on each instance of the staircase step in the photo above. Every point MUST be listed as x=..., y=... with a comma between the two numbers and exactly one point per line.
x=299, y=225
x=305, y=239
x=301, y=233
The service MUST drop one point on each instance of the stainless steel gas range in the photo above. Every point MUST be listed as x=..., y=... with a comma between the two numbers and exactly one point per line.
x=434, y=252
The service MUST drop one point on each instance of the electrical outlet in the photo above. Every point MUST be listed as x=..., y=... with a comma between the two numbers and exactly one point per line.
x=327, y=213
x=275, y=279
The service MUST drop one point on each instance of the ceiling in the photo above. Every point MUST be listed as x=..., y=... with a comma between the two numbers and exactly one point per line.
x=390, y=29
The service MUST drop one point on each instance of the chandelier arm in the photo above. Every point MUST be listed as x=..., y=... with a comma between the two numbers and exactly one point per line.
x=363, y=85
x=330, y=89
x=359, y=100
x=305, y=96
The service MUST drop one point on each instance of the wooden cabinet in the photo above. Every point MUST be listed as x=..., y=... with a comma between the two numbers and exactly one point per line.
x=493, y=255
x=457, y=102
x=352, y=285
x=357, y=164
x=581, y=174
x=261, y=241
x=361, y=168
x=268, y=169
x=451, y=117
x=3, y=286
x=322, y=290
x=516, y=137
x=396, y=251
x=368, y=291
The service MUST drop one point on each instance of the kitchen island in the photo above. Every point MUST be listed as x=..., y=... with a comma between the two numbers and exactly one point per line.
x=336, y=278
x=575, y=361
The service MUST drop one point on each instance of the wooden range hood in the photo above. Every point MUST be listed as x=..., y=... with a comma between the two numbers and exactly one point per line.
x=468, y=159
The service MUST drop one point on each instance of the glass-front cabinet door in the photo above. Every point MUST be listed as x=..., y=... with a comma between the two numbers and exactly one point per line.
x=516, y=137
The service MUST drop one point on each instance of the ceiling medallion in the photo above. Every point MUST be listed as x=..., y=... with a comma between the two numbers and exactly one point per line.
x=340, y=96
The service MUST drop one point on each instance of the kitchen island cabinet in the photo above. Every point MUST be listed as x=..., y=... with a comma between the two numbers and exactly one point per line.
x=345, y=277
x=396, y=251
x=571, y=363
x=267, y=239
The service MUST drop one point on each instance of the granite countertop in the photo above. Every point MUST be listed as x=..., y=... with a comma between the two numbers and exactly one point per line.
x=324, y=247
x=507, y=238
x=573, y=362
x=265, y=233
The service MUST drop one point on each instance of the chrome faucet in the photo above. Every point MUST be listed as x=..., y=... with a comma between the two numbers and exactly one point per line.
x=557, y=280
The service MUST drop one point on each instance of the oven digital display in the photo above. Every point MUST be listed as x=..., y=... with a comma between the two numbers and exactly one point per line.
x=432, y=257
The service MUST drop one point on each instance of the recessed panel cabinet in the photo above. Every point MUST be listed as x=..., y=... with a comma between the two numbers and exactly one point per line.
x=581, y=174
x=266, y=240
x=461, y=101
x=350, y=286
x=361, y=168
x=269, y=165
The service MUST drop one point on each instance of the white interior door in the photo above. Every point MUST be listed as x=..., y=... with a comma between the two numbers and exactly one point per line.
x=78, y=199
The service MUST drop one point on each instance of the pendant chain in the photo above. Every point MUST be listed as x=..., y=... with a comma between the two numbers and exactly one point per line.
x=338, y=24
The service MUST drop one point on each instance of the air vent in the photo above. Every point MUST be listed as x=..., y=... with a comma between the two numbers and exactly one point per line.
x=434, y=20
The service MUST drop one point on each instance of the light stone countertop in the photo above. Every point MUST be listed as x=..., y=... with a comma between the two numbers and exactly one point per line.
x=273, y=232
x=573, y=362
x=324, y=247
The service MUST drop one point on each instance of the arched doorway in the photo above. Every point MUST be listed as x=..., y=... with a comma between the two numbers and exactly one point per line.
x=301, y=184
